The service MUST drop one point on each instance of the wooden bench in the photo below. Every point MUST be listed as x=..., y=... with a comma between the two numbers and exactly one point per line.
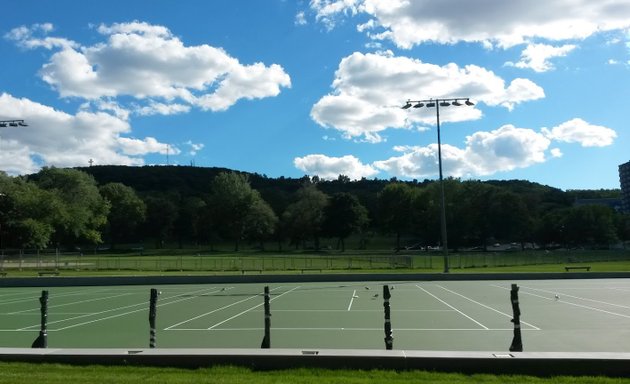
x=251, y=270
x=48, y=273
x=588, y=268
x=311, y=270
x=3, y=273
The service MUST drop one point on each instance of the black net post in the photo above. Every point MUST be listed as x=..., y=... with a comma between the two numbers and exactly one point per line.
x=266, y=343
x=152, y=316
x=42, y=340
x=517, y=342
x=389, y=340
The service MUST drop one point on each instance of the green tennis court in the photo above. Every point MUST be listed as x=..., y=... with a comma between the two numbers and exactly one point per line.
x=586, y=316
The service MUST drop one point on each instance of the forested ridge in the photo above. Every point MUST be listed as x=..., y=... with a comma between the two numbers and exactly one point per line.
x=186, y=206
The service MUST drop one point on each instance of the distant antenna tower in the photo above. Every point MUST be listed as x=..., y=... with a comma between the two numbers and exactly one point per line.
x=167, y=160
x=91, y=162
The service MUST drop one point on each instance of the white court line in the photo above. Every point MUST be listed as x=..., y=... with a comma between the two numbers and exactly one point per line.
x=488, y=307
x=358, y=310
x=112, y=310
x=254, y=307
x=67, y=304
x=579, y=305
x=36, y=296
x=450, y=306
x=351, y=329
x=170, y=328
x=354, y=293
x=577, y=297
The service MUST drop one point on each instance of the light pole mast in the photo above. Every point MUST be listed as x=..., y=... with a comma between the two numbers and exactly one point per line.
x=429, y=103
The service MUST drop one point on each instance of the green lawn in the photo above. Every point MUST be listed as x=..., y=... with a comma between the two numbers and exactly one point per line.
x=20, y=373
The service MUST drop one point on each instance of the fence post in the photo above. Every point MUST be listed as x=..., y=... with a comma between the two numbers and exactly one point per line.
x=389, y=340
x=42, y=340
x=266, y=343
x=517, y=342
x=152, y=316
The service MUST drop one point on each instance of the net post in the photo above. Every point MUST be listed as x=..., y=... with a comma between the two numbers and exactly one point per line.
x=389, y=340
x=152, y=316
x=42, y=340
x=517, y=342
x=266, y=343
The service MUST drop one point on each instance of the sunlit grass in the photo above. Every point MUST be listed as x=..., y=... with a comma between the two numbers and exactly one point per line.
x=22, y=373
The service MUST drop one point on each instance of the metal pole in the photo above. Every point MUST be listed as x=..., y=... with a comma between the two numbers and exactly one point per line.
x=443, y=203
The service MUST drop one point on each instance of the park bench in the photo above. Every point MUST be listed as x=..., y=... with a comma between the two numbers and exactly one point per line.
x=311, y=270
x=48, y=273
x=588, y=268
x=243, y=271
x=3, y=273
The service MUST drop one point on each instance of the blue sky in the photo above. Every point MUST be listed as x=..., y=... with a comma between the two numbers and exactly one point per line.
x=293, y=88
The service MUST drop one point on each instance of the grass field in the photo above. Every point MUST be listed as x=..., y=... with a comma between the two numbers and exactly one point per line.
x=196, y=261
x=17, y=373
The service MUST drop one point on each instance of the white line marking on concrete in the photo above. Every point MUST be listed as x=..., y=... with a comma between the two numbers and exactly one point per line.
x=450, y=306
x=490, y=308
x=252, y=308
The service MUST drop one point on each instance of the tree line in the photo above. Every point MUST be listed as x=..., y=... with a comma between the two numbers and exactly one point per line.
x=115, y=205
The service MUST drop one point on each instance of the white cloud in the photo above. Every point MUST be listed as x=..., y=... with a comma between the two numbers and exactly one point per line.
x=148, y=63
x=579, y=131
x=137, y=147
x=328, y=11
x=35, y=37
x=300, y=18
x=485, y=153
x=331, y=167
x=536, y=56
x=194, y=147
x=155, y=108
x=369, y=90
x=495, y=22
x=56, y=138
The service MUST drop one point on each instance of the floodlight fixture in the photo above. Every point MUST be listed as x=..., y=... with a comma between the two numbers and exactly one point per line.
x=469, y=103
x=444, y=104
x=406, y=106
x=430, y=104
x=12, y=123
x=419, y=105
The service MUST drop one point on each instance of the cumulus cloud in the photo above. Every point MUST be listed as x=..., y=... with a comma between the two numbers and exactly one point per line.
x=56, y=138
x=150, y=64
x=194, y=147
x=35, y=37
x=484, y=153
x=503, y=23
x=369, y=89
x=329, y=11
x=579, y=131
x=331, y=167
x=536, y=56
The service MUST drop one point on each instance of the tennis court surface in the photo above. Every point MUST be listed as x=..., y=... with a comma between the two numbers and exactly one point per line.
x=556, y=315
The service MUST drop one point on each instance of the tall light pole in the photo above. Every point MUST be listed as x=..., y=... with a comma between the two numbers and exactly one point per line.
x=437, y=103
